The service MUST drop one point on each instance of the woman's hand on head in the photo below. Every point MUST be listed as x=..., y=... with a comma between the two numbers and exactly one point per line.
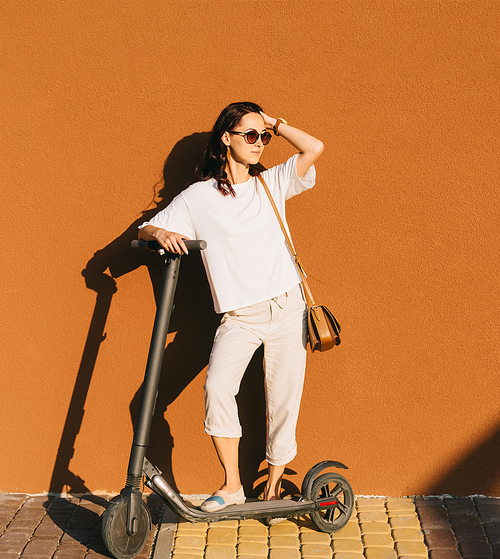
x=269, y=122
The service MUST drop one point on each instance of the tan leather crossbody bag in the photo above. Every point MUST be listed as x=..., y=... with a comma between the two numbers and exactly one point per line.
x=323, y=328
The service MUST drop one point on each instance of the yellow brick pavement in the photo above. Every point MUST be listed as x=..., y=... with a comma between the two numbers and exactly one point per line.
x=378, y=529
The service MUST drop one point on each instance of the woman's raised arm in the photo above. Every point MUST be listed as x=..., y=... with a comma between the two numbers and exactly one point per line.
x=310, y=148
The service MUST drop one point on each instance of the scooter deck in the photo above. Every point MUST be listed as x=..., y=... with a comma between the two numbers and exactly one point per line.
x=262, y=509
x=249, y=509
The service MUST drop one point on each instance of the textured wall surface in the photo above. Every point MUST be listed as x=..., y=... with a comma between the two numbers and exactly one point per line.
x=105, y=109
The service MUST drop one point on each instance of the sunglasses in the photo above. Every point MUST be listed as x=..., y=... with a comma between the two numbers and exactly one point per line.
x=252, y=136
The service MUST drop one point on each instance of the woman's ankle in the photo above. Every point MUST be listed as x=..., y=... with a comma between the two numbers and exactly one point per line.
x=272, y=493
x=231, y=488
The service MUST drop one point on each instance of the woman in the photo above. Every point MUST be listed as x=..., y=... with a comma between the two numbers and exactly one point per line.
x=253, y=279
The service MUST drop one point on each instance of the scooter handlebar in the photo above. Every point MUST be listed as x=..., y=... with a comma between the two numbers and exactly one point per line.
x=155, y=245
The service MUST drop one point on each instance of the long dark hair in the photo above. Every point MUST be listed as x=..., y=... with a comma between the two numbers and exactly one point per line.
x=214, y=159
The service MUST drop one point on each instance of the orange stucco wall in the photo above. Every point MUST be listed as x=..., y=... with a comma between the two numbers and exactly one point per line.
x=99, y=100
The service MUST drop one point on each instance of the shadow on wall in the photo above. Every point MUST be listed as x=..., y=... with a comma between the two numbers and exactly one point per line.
x=181, y=365
x=475, y=473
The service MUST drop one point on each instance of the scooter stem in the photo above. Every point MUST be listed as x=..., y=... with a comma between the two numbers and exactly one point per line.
x=150, y=388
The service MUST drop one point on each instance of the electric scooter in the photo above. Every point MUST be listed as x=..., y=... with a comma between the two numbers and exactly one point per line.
x=326, y=497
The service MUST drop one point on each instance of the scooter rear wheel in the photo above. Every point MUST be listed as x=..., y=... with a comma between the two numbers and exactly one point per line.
x=114, y=530
x=336, y=487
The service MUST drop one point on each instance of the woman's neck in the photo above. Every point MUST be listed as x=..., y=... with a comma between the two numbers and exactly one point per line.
x=237, y=173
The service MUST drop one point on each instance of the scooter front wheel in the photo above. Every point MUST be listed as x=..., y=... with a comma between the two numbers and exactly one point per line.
x=339, y=491
x=114, y=530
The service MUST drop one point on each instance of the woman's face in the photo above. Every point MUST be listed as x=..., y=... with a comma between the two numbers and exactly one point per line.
x=241, y=150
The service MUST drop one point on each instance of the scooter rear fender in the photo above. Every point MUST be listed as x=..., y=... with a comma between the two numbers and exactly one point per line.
x=312, y=474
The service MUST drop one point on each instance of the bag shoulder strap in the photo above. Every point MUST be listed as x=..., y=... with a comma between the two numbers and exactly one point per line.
x=307, y=291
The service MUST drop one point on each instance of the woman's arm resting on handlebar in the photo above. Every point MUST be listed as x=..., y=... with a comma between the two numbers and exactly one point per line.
x=170, y=241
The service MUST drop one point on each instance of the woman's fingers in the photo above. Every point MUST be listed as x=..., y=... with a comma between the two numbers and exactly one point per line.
x=173, y=242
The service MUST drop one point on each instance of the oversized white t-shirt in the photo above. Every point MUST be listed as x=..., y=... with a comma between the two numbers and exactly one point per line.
x=247, y=259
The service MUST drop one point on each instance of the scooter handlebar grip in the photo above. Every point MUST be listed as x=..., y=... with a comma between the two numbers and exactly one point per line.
x=154, y=245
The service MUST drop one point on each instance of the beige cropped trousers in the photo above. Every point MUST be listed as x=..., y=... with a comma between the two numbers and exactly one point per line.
x=280, y=324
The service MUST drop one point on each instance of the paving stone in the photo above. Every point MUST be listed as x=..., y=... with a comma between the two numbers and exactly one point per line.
x=315, y=537
x=375, y=528
x=60, y=518
x=489, y=513
x=406, y=548
x=189, y=528
x=258, y=549
x=14, y=538
x=380, y=553
x=70, y=543
x=433, y=514
x=487, y=500
x=378, y=540
x=428, y=501
x=476, y=549
x=37, y=501
x=85, y=514
x=40, y=548
x=284, y=553
x=8, y=499
x=435, y=525
x=460, y=507
x=407, y=535
x=373, y=516
x=222, y=536
x=364, y=503
x=404, y=522
x=4, y=522
x=496, y=550
x=441, y=539
x=220, y=552
x=97, y=544
x=285, y=528
x=70, y=553
x=400, y=505
x=62, y=503
x=190, y=542
x=349, y=531
x=348, y=555
x=23, y=524
x=444, y=554
x=347, y=545
x=81, y=535
x=308, y=529
x=283, y=541
x=29, y=516
x=185, y=524
x=225, y=524
x=316, y=550
x=251, y=522
x=467, y=528
x=492, y=530
x=252, y=533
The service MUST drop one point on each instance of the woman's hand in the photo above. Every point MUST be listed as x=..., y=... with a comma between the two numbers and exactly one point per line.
x=269, y=122
x=170, y=241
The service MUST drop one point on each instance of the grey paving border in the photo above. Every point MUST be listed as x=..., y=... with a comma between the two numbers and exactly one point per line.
x=164, y=543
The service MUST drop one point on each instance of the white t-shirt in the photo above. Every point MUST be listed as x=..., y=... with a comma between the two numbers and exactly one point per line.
x=247, y=259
